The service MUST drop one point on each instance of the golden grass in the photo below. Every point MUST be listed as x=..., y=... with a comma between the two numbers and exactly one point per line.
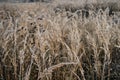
x=38, y=44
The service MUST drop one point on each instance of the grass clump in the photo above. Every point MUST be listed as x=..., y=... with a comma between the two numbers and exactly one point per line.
x=41, y=44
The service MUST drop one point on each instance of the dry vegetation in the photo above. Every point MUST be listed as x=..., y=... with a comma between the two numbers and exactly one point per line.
x=49, y=42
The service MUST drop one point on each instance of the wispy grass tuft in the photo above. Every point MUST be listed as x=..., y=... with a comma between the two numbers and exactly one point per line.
x=41, y=43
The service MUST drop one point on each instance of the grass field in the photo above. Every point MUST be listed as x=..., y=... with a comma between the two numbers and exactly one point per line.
x=60, y=41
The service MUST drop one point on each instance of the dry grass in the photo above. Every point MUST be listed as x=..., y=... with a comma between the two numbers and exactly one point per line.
x=38, y=44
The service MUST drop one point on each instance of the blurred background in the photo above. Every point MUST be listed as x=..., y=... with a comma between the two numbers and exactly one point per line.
x=88, y=1
x=16, y=1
